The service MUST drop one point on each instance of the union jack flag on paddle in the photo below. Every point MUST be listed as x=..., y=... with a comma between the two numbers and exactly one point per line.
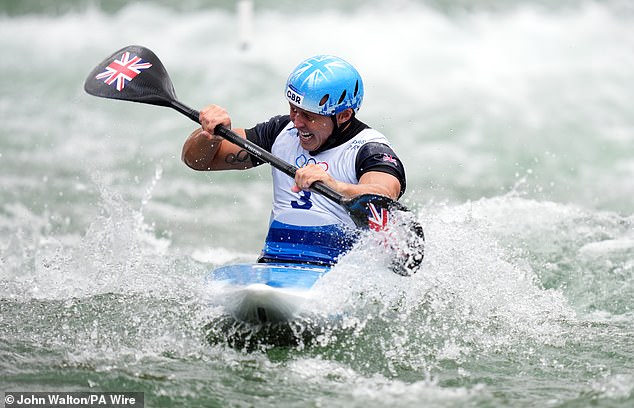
x=121, y=70
x=378, y=218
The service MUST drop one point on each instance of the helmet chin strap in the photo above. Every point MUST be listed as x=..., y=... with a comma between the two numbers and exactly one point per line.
x=339, y=128
x=335, y=125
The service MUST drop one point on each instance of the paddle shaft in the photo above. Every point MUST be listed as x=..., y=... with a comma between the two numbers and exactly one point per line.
x=258, y=152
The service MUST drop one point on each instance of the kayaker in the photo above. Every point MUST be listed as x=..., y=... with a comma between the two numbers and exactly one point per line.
x=322, y=136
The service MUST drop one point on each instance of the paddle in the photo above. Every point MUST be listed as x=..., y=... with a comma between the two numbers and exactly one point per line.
x=136, y=74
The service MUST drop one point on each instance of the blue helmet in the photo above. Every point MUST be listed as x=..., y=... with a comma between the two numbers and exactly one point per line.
x=325, y=85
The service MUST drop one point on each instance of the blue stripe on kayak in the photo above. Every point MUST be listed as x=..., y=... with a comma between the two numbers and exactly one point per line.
x=321, y=244
x=330, y=236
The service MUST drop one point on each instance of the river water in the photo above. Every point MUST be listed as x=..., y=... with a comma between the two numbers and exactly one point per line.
x=516, y=125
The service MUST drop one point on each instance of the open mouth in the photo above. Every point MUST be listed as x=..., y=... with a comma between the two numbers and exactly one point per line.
x=305, y=135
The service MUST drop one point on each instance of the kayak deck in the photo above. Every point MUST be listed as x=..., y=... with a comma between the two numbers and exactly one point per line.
x=267, y=292
x=276, y=275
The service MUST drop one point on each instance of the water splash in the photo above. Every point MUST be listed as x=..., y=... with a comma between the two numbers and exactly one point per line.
x=117, y=253
x=474, y=295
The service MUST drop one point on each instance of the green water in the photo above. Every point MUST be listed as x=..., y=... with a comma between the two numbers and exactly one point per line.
x=515, y=124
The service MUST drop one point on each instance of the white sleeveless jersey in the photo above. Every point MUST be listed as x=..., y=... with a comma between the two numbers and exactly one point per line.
x=338, y=161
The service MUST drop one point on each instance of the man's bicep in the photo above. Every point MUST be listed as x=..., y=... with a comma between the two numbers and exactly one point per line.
x=391, y=184
x=380, y=158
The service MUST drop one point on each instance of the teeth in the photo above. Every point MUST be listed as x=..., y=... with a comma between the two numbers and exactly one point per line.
x=305, y=134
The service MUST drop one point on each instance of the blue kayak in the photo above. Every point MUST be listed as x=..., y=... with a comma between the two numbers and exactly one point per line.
x=276, y=275
x=267, y=292
x=295, y=256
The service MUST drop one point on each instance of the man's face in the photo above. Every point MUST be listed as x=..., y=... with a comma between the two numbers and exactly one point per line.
x=313, y=129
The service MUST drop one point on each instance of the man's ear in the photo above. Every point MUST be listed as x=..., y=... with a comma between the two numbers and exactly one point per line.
x=344, y=116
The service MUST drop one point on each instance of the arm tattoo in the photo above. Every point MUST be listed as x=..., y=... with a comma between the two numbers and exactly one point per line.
x=241, y=157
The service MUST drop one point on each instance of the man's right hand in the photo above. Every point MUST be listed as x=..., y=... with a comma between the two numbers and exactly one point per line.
x=212, y=116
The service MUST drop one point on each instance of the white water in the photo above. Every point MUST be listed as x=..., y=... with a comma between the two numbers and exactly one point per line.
x=516, y=129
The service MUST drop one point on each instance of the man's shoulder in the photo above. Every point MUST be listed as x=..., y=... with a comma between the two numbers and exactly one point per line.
x=264, y=133
x=274, y=124
x=367, y=135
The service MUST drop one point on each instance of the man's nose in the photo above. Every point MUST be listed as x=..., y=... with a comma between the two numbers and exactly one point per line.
x=298, y=121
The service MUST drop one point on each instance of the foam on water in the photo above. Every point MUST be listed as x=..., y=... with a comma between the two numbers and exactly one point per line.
x=471, y=296
x=106, y=235
x=117, y=253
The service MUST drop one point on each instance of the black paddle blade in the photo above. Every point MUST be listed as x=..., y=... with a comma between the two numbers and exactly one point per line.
x=134, y=73
x=403, y=233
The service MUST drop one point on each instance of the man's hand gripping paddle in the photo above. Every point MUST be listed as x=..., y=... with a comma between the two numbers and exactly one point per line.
x=136, y=74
